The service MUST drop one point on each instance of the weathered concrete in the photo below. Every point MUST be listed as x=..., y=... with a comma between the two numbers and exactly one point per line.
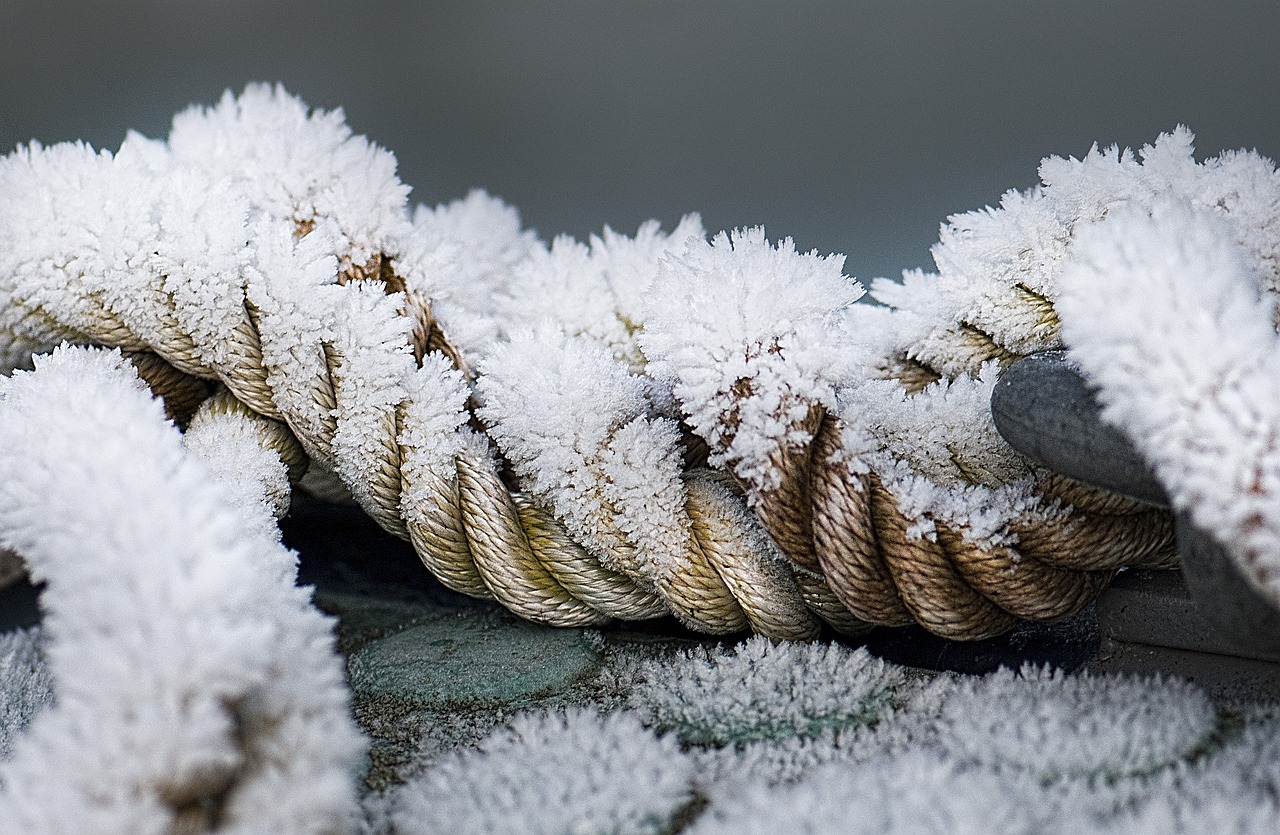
x=1231, y=604
x=1149, y=623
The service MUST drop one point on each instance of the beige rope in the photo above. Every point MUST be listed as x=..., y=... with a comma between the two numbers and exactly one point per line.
x=182, y=393
x=850, y=559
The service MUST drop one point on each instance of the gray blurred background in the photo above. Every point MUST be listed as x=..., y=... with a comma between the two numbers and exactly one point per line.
x=853, y=127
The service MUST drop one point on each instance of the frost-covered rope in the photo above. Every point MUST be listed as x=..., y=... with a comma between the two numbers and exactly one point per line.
x=269, y=249
x=1195, y=383
x=902, y=497
x=196, y=687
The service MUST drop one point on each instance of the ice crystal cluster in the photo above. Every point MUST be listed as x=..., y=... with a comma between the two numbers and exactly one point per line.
x=25, y=687
x=1171, y=311
x=750, y=334
x=766, y=692
x=1020, y=751
x=568, y=403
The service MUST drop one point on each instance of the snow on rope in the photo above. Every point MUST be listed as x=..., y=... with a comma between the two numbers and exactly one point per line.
x=195, y=687
x=863, y=434
x=550, y=425
x=268, y=250
x=1195, y=383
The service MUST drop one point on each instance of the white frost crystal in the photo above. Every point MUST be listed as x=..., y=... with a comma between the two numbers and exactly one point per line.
x=299, y=165
x=25, y=686
x=764, y=691
x=998, y=268
x=576, y=426
x=463, y=254
x=910, y=795
x=1166, y=312
x=1053, y=726
x=749, y=334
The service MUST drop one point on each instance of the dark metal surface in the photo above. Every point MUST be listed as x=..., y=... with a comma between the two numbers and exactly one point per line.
x=1044, y=408
x=1229, y=602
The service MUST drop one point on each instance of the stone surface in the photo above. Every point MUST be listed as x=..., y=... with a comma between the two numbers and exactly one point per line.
x=1227, y=679
x=1045, y=410
x=465, y=660
x=1156, y=609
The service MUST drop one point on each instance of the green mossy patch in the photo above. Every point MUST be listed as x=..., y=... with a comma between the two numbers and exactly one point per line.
x=466, y=661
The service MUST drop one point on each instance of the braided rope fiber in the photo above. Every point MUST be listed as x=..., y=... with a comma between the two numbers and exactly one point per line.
x=320, y=332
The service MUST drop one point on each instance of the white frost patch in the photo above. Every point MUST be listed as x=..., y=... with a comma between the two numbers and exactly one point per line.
x=26, y=687
x=759, y=690
x=979, y=513
x=944, y=432
x=749, y=335
x=578, y=772
x=69, y=216
x=301, y=166
x=293, y=283
x=434, y=412
x=992, y=263
x=461, y=256
x=256, y=480
x=374, y=360
x=630, y=264
x=564, y=284
x=1053, y=726
x=915, y=794
x=575, y=426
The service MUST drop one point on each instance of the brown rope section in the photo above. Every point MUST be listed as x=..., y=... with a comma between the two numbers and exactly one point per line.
x=931, y=588
x=181, y=393
x=788, y=508
x=884, y=573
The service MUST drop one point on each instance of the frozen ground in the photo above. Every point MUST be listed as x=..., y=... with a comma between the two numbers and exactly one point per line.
x=480, y=722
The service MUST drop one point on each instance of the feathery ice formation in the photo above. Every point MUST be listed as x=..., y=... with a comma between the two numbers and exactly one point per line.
x=630, y=427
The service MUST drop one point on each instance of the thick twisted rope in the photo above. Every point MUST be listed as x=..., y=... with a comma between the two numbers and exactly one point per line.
x=313, y=326
x=474, y=533
x=851, y=530
x=850, y=527
x=854, y=562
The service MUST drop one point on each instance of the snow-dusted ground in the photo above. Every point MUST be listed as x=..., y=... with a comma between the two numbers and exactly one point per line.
x=818, y=738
